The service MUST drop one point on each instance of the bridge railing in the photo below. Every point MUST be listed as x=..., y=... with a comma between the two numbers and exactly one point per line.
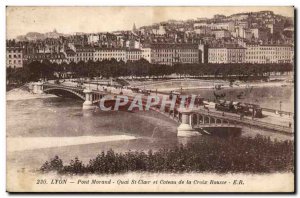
x=62, y=86
x=247, y=121
x=278, y=111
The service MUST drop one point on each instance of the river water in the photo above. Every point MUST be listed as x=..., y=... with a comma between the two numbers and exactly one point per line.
x=38, y=129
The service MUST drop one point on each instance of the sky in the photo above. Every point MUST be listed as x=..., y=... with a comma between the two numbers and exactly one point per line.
x=21, y=20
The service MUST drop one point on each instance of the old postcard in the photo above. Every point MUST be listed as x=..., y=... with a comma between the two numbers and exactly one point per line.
x=150, y=99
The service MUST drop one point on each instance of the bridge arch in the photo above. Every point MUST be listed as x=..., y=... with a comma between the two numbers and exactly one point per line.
x=226, y=122
x=218, y=121
x=212, y=120
x=206, y=119
x=53, y=89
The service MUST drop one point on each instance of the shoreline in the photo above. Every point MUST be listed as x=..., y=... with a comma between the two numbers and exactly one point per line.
x=258, y=85
x=21, y=94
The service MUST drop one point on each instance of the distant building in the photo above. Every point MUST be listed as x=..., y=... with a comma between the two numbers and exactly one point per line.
x=170, y=54
x=260, y=33
x=275, y=28
x=101, y=54
x=200, y=24
x=162, y=29
x=119, y=54
x=133, y=55
x=239, y=17
x=84, y=53
x=203, y=30
x=14, y=57
x=70, y=55
x=203, y=53
x=226, y=54
x=57, y=58
x=269, y=53
x=93, y=38
x=146, y=53
x=223, y=25
x=132, y=44
x=241, y=32
x=219, y=34
x=134, y=28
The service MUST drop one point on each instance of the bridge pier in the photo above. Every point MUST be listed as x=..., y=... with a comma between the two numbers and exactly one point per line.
x=185, y=129
x=88, y=103
x=38, y=88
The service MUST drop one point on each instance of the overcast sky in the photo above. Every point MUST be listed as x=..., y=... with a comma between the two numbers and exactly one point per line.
x=21, y=20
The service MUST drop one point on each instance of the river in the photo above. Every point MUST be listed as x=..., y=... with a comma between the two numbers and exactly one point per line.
x=38, y=129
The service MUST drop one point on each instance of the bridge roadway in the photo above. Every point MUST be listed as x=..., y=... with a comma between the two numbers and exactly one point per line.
x=235, y=120
x=270, y=121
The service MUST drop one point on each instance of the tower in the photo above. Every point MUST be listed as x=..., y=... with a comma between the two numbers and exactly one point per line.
x=133, y=28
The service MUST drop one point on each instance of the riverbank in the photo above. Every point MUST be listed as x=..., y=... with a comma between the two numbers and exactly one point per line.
x=207, y=84
x=22, y=93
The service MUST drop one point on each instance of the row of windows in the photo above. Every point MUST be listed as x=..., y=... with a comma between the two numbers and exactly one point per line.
x=101, y=59
x=110, y=55
x=226, y=50
x=236, y=58
x=181, y=55
x=133, y=57
x=279, y=61
x=15, y=66
x=217, y=58
x=220, y=56
x=109, y=51
x=10, y=61
x=270, y=48
x=84, y=54
x=84, y=59
x=268, y=52
x=14, y=56
x=266, y=57
x=135, y=53
x=173, y=50
x=184, y=60
x=236, y=54
x=43, y=56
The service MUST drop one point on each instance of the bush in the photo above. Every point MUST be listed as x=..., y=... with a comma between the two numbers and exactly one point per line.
x=252, y=155
x=55, y=164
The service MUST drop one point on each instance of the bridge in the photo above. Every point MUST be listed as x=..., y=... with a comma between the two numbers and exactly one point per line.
x=191, y=121
x=90, y=97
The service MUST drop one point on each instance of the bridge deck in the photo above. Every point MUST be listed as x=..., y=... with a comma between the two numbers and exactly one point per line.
x=245, y=121
x=233, y=118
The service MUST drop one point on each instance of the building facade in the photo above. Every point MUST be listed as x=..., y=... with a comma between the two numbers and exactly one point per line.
x=101, y=54
x=84, y=53
x=219, y=34
x=119, y=54
x=14, y=57
x=133, y=55
x=223, y=25
x=146, y=54
x=225, y=55
x=170, y=54
x=57, y=58
x=269, y=53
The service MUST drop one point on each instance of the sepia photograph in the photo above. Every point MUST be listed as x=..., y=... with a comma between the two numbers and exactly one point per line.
x=184, y=99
